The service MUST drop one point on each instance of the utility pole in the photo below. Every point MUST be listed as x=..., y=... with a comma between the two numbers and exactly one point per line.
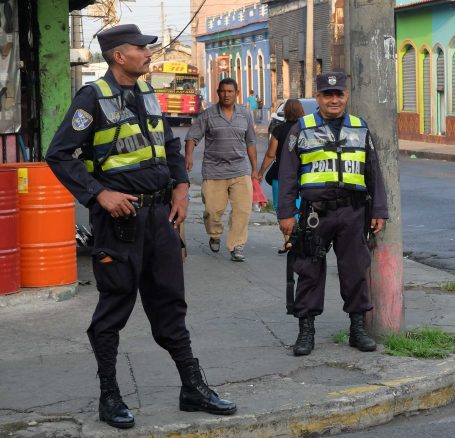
x=309, y=49
x=370, y=52
x=162, y=24
x=76, y=43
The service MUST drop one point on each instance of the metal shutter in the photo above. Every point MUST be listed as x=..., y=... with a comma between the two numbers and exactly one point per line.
x=286, y=47
x=440, y=79
x=301, y=46
x=426, y=95
x=453, y=83
x=409, y=80
x=322, y=34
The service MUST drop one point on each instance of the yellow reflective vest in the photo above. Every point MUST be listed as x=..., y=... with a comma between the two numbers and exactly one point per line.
x=118, y=143
x=325, y=162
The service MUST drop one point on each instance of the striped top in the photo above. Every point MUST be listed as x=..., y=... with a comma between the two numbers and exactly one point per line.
x=226, y=142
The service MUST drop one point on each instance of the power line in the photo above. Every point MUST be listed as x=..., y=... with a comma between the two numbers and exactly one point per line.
x=181, y=32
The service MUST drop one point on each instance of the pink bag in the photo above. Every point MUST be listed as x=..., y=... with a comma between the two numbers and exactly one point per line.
x=258, y=194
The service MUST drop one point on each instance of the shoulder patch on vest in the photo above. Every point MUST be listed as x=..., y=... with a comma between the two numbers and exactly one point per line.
x=292, y=142
x=81, y=120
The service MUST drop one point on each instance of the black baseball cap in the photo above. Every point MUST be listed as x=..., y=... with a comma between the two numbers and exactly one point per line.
x=121, y=34
x=332, y=80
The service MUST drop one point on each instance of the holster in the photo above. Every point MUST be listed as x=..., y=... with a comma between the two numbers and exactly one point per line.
x=306, y=241
x=290, y=283
x=125, y=228
x=369, y=235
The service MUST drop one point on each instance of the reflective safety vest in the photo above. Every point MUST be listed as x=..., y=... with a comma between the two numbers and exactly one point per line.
x=325, y=162
x=118, y=143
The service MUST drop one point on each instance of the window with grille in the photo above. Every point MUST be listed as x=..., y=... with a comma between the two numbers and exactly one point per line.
x=409, y=80
x=453, y=83
x=426, y=93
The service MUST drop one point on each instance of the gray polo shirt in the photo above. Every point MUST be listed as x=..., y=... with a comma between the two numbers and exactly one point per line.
x=226, y=142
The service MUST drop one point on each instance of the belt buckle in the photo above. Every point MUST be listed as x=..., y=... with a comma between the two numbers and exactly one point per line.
x=142, y=199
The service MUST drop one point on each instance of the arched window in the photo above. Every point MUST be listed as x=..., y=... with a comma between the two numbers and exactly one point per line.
x=409, y=80
x=212, y=91
x=238, y=75
x=426, y=78
x=440, y=76
x=441, y=108
x=286, y=80
x=453, y=83
x=249, y=72
x=261, y=77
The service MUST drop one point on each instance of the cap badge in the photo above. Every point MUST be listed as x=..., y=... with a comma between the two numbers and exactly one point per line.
x=332, y=80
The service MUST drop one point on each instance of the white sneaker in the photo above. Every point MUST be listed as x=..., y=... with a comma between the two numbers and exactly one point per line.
x=256, y=208
x=237, y=255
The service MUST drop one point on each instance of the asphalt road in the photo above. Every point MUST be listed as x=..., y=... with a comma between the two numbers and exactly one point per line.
x=427, y=204
x=438, y=423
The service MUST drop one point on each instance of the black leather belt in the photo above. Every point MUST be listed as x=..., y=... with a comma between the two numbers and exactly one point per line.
x=162, y=196
x=331, y=204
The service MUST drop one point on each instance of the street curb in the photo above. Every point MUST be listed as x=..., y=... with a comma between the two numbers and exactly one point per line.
x=351, y=409
x=346, y=410
x=29, y=295
x=427, y=154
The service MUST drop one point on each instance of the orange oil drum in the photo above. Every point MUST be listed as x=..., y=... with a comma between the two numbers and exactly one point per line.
x=46, y=224
x=10, y=278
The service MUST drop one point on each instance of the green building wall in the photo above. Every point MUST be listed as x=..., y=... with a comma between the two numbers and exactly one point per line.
x=54, y=66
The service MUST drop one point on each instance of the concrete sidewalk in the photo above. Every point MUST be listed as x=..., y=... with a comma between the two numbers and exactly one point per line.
x=243, y=338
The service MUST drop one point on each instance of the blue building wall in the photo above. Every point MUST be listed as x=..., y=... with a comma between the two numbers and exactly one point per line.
x=239, y=34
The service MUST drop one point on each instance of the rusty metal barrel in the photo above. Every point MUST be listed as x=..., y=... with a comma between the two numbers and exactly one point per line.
x=46, y=224
x=9, y=233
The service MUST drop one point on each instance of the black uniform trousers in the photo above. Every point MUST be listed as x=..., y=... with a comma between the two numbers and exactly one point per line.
x=151, y=264
x=344, y=227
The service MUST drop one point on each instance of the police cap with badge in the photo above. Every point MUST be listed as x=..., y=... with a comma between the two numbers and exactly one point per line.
x=122, y=34
x=333, y=80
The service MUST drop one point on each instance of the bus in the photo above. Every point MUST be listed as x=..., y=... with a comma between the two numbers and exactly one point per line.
x=176, y=86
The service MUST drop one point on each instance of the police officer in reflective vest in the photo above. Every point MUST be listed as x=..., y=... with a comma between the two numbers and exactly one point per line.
x=132, y=177
x=330, y=161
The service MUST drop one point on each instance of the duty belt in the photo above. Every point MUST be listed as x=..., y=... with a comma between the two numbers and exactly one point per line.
x=162, y=196
x=331, y=204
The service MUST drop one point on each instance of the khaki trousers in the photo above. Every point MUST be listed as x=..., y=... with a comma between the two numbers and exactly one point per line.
x=215, y=194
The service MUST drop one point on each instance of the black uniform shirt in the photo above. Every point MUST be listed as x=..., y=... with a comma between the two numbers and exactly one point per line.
x=288, y=179
x=71, y=171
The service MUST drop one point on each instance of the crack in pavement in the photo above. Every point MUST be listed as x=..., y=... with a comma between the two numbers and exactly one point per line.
x=272, y=332
x=31, y=408
x=133, y=378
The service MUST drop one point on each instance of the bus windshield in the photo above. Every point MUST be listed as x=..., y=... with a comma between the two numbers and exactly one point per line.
x=172, y=82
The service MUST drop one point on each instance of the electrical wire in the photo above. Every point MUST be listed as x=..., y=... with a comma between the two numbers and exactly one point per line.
x=181, y=32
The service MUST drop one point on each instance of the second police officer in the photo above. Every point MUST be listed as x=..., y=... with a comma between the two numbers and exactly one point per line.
x=129, y=159
x=330, y=161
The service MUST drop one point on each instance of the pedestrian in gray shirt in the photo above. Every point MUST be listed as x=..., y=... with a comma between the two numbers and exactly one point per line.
x=228, y=165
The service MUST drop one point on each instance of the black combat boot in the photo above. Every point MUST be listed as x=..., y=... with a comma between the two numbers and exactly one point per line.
x=195, y=395
x=358, y=336
x=305, y=340
x=112, y=409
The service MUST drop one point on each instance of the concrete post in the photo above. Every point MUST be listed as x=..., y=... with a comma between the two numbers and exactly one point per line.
x=373, y=97
x=76, y=43
x=54, y=66
x=309, y=49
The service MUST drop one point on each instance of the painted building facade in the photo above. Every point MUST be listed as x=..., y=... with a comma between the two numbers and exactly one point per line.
x=288, y=33
x=206, y=9
x=237, y=46
x=425, y=34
